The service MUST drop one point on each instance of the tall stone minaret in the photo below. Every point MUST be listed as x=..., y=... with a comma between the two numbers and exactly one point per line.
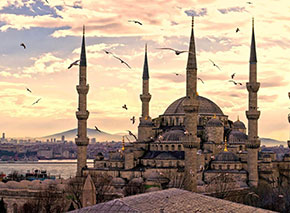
x=145, y=125
x=82, y=114
x=253, y=115
x=190, y=105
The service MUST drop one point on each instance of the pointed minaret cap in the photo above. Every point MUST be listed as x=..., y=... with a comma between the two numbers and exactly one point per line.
x=145, y=68
x=83, y=60
x=191, y=61
x=253, y=55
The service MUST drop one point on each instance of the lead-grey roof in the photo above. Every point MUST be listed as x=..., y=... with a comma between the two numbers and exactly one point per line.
x=206, y=106
x=170, y=200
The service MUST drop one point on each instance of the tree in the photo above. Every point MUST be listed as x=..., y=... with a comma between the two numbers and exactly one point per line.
x=74, y=191
x=2, y=206
x=103, y=183
x=221, y=185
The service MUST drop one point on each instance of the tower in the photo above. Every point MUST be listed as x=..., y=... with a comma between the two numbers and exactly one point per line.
x=253, y=115
x=145, y=125
x=191, y=141
x=82, y=114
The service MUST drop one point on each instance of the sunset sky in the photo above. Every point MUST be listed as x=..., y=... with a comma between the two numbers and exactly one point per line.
x=52, y=33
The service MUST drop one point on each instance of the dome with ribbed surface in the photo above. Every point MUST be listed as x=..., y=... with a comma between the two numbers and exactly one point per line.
x=226, y=156
x=206, y=106
x=237, y=137
x=239, y=125
x=173, y=135
x=214, y=122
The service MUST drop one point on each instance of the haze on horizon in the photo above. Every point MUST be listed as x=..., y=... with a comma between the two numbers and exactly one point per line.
x=52, y=33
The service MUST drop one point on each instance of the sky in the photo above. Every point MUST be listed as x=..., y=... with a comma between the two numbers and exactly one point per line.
x=52, y=34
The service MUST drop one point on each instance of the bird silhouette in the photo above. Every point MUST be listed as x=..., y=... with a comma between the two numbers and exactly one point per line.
x=135, y=21
x=214, y=64
x=200, y=80
x=177, y=74
x=107, y=52
x=47, y=1
x=233, y=75
x=249, y=2
x=132, y=119
x=28, y=90
x=123, y=62
x=74, y=63
x=237, y=30
x=235, y=82
x=125, y=107
x=97, y=129
x=131, y=134
x=127, y=138
x=36, y=101
x=23, y=45
x=177, y=52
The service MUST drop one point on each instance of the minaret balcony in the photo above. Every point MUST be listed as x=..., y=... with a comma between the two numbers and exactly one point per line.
x=253, y=86
x=253, y=144
x=145, y=97
x=82, y=141
x=83, y=89
x=253, y=115
x=82, y=115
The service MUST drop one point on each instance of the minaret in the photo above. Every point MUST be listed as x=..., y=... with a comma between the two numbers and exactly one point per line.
x=190, y=105
x=82, y=114
x=145, y=125
x=253, y=115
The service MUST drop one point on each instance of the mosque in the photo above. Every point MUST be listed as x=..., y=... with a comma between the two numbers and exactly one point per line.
x=191, y=144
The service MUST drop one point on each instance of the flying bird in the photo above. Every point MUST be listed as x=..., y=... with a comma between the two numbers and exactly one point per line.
x=47, y=1
x=177, y=52
x=215, y=65
x=97, y=129
x=177, y=74
x=36, y=101
x=23, y=45
x=28, y=90
x=131, y=134
x=233, y=75
x=237, y=30
x=200, y=80
x=132, y=119
x=107, y=52
x=236, y=83
x=135, y=21
x=123, y=62
x=249, y=2
x=127, y=138
x=125, y=107
x=74, y=63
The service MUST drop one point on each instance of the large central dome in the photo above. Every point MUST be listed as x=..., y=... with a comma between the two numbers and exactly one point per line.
x=206, y=106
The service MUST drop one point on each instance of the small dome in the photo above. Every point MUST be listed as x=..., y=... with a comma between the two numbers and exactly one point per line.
x=214, y=122
x=137, y=180
x=226, y=156
x=173, y=135
x=237, y=137
x=239, y=125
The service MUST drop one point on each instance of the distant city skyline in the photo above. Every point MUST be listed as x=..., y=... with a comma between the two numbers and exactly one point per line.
x=52, y=36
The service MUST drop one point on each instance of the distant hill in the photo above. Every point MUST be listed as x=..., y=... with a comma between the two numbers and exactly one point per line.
x=272, y=142
x=92, y=133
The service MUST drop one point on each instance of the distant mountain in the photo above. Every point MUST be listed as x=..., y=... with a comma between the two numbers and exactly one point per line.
x=272, y=142
x=92, y=133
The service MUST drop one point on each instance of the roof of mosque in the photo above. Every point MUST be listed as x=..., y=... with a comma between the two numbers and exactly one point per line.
x=173, y=135
x=226, y=156
x=170, y=200
x=237, y=137
x=206, y=106
x=239, y=125
x=214, y=122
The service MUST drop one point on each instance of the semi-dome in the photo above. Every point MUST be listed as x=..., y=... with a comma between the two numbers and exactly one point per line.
x=214, y=122
x=239, y=125
x=226, y=156
x=206, y=106
x=173, y=135
x=237, y=137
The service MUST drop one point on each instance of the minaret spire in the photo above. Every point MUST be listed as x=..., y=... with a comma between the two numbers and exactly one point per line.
x=253, y=115
x=82, y=114
x=253, y=55
x=145, y=67
x=190, y=105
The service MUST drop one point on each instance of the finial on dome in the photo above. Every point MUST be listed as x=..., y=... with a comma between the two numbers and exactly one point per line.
x=226, y=145
x=123, y=144
x=238, y=118
x=84, y=30
x=214, y=116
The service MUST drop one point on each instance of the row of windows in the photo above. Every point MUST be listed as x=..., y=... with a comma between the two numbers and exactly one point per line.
x=228, y=167
x=162, y=147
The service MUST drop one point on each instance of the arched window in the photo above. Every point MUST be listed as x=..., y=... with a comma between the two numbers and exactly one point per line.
x=179, y=147
x=166, y=148
x=228, y=167
x=172, y=147
x=161, y=147
x=15, y=208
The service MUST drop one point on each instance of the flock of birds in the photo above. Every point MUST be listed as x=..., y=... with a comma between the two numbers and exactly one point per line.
x=177, y=52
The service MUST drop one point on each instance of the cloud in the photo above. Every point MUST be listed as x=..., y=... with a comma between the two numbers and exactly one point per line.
x=232, y=9
x=200, y=12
